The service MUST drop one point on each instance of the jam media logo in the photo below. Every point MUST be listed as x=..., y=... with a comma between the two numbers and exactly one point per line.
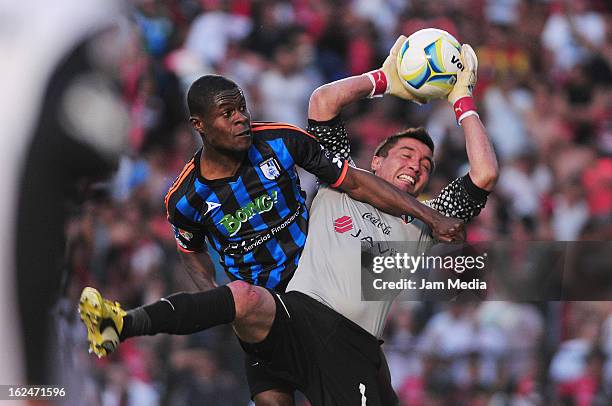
x=343, y=224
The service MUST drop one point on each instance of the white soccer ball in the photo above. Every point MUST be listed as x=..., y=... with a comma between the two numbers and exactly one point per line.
x=428, y=62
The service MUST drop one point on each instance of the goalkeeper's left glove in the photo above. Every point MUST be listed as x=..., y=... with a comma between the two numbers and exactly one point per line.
x=460, y=97
x=386, y=79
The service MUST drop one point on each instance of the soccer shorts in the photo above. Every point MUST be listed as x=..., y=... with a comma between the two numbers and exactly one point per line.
x=261, y=379
x=332, y=360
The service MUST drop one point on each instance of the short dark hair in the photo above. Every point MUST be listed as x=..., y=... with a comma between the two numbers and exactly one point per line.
x=419, y=134
x=202, y=91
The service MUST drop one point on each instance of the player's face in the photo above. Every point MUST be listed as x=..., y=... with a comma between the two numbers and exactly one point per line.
x=407, y=165
x=226, y=126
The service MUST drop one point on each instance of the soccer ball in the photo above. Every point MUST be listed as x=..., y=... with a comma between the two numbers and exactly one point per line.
x=428, y=62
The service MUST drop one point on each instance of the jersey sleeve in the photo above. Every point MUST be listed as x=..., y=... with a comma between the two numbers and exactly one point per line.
x=189, y=237
x=308, y=153
x=461, y=199
x=189, y=241
x=332, y=136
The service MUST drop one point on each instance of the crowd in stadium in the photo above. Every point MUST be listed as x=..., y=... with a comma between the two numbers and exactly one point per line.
x=544, y=94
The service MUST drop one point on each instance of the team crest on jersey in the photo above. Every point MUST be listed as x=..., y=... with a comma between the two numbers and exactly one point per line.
x=270, y=168
x=407, y=219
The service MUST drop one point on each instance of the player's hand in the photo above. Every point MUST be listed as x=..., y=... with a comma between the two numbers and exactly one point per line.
x=395, y=86
x=466, y=78
x=448, y=229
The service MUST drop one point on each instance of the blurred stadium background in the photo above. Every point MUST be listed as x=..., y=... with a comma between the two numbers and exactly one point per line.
x=544, y=96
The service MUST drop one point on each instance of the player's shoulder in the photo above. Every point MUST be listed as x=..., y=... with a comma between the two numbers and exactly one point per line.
x=275, y=129
x=179, y=186
x=333, y=197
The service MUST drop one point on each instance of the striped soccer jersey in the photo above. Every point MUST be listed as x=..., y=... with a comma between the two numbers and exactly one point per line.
x=257, y=219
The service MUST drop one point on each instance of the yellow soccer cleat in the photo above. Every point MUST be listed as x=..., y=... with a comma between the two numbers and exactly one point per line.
x=103, y=319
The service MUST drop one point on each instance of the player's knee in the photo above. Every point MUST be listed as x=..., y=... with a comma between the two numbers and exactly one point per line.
x=247, y=298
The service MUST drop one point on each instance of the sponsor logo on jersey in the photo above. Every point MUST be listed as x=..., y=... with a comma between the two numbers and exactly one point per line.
x=241, y=248
x=343, y=224
x=210, y=206
x=270, y=168
x=261, y=204
x=384, y=227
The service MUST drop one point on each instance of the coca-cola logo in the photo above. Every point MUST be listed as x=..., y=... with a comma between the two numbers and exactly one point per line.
x=384, y=227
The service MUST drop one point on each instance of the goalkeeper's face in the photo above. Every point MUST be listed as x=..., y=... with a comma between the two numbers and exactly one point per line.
x=226, y=124
x=407, y=165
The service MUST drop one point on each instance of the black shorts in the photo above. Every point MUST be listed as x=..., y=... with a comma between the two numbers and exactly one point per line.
x=261, y=379
x=332, y=360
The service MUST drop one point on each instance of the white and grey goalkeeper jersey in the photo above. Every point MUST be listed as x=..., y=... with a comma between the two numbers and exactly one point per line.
x=330, y=265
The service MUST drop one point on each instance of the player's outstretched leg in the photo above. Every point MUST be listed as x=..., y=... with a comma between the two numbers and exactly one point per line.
x=250, y=308
x=255, y=311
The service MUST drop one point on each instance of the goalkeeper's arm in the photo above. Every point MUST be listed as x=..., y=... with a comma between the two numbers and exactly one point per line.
x=481, y=155
x=327, y=101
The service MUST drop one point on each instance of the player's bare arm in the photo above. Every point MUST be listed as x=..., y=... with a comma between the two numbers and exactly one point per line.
x=200, y=268
x=484, y=169
x=481, y=156
x=327, y=101
x=368, y=188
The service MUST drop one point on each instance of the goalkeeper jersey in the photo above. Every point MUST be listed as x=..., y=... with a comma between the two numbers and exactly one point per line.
x=329, y=270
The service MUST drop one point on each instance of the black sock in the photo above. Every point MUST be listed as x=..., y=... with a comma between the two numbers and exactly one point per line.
x=135, y=323
x=181, y=313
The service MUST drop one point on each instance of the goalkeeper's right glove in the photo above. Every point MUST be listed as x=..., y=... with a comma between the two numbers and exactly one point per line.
x=386, y=79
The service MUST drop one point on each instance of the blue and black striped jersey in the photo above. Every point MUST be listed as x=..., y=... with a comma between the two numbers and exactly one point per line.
x=256, y=220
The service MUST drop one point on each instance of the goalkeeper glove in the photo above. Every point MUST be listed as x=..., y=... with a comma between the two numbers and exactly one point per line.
x=460, y=97
x=386, y=79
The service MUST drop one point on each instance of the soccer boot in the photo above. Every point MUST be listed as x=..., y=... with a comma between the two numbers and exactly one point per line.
x=103, y=319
